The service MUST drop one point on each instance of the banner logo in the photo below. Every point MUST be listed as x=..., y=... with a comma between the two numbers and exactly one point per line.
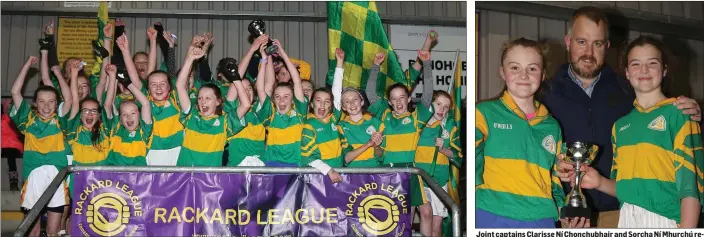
x=378, y=214
x=378, y=224
x=107, y=212
x=99, y=223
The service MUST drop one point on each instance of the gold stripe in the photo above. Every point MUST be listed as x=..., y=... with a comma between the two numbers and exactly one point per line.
x=645, y=161
x=517, y=177
x=205, y=143
x=285, y=136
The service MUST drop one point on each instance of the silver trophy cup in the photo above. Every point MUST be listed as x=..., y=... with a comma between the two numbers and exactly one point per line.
x=257, y=28
x=578, y=153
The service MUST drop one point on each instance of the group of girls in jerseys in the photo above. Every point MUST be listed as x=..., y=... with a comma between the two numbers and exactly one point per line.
x=127, y=113
x=656, y=175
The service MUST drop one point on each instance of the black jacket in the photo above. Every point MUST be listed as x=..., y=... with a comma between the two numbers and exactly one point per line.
x=590, y=119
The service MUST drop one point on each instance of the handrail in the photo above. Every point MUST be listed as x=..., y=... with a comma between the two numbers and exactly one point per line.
x=54, y=185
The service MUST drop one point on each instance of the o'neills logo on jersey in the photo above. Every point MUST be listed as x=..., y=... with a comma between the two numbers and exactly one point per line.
x=378, y=213
x=107, y=213
x=658, y=124
x=549, y=144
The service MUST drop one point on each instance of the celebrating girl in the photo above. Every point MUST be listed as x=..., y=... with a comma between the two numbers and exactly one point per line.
x=290, y=142
x=44, y=147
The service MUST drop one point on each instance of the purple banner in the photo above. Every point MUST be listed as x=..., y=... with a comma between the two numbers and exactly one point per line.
x=199, y=204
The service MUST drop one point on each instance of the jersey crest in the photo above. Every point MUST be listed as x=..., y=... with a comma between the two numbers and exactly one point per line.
x=549, y=144
x=658, y=124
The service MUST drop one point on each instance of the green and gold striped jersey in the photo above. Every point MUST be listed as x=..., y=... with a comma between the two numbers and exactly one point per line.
x=657, y=158
x=516, y=160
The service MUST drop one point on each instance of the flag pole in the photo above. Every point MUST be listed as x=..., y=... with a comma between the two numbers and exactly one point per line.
x=457, y=61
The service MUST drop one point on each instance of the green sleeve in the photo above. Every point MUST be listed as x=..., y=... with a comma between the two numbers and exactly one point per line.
x=70, y=126
x=235, y=123
x=146, y=130
x=558, y=193
x=412, y=75
x=336, y=114
x=309, y=148
x=614, y=164
x=379, y=107
x=264, y=111
x=480, y=135
x=301, y=106
x=20, y=114
x=93, y=80
x=689, y=155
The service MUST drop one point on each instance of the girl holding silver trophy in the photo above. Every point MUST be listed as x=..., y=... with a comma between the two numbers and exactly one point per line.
x=658, y=157
x=516, y=145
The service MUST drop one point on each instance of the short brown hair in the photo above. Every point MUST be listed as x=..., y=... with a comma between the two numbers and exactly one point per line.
x=594, y=14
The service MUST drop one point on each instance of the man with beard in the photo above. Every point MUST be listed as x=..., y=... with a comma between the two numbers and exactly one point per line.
x=587, y=97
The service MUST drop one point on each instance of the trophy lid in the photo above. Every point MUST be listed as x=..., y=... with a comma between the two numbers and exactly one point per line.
x=257, y=27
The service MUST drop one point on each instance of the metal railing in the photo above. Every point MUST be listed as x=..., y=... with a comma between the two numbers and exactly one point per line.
x=49, y=192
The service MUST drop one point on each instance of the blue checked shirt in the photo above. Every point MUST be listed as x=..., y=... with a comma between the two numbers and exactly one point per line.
x=590, y=88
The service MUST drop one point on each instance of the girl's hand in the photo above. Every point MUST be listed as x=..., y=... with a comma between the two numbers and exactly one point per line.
x=208, y=40
x=169, y=38
x=339, y=54
x=439, y=142
x=107, y=30
x=377, y=138
x=432, y=35
x=424, y=55
x=195, y=53
x=334, y=176
x=262, y=50
x=49, y=28
x=197, y=41
x=151, y=34
x=32, y=60
x=379, y=58
x=111, y=70
x=122, y=42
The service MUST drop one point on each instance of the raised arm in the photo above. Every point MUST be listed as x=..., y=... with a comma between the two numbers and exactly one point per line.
x=124, y=46
x=262, y=74
x=295, y=77
x=244, y=61
x=47, y=48
x=182, y=81
x=109, y=103
x=170, y=55
x=373, y=74
x=270, y=76
x=44, y=68
x=19, y=82
x=430, y=40
x=75, y=107
x=142, y=99
x=65, y=90
x=428, y=85
x=102, y=79
x=151, y=62
x=245, y=103
x=337, y=78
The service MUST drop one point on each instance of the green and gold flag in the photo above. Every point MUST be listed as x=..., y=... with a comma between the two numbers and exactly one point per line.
x=356, y=28
x=453, y=185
